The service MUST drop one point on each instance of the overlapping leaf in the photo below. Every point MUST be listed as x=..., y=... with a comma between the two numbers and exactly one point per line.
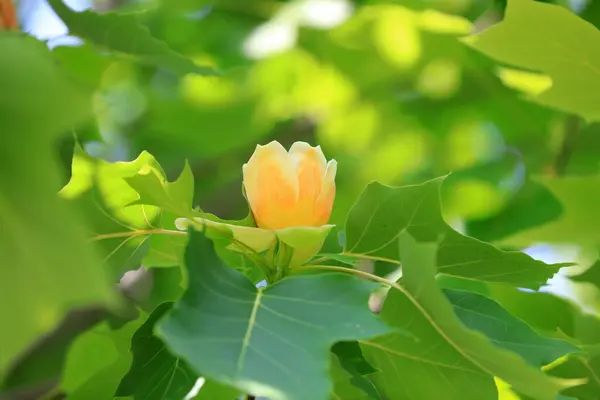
x=343, y=387
x=549, y=314
x=481, y=314
x=236, y=334
x=382, y=213
x=446, y=360
x=352, y=373
x=124, y=34
x=549, y=38
x=155, y=373
x=577, y=366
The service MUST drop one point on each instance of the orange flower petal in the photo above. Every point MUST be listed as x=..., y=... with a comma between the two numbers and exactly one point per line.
x=271, y=184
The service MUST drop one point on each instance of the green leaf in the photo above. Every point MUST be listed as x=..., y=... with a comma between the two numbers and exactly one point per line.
x=382, y=213
x=287, y=247
x=548, y=38
x=83, y=62
x=29, y=69
x=591, y=275
x=155, y=373
x=104, y=384
x=262, y=340
x=351, y=357
x=356, y=370
x=548, y=313
x=579, y=223
x=343, y=387
x=91, y=352
x=461, y=362
x=532, y=206
x=128, y=233
x=481, y=314
x=122, y=33
x=43, y=249
x=576, y=366
x=167, y=286
x=97, y=360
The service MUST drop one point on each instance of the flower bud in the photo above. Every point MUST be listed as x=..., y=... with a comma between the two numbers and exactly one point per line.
x=289, y=189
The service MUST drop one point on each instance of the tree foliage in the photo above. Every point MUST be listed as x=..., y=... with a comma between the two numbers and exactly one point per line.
x=467, y=141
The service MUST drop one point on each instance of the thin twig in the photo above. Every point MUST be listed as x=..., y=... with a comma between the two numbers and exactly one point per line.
x=571, y=133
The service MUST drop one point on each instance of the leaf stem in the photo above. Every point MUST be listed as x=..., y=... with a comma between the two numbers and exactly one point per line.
x=254, y=256
x=365, y=257
x=563, y=156
x=364, y=274
x=138, y=232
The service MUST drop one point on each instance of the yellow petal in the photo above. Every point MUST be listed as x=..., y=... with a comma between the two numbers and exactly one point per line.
x=324, y=203
x=271, y=184
x=310, y=167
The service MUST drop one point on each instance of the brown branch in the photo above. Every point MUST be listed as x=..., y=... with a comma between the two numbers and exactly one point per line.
x=563, y=156
x=8, y=16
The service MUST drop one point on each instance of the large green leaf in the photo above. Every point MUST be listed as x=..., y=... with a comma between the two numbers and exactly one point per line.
x=550, y=39
x=383, y=212
x=446, y=360
x=125, y=34
x=271, y=342
x=481, y=314
x=46, y=265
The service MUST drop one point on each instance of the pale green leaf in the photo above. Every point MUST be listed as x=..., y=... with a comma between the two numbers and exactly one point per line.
x=43, y=250
x=550, y=39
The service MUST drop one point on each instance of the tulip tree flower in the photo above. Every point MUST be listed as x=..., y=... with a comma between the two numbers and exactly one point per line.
x=290, y=195
x=288, y=189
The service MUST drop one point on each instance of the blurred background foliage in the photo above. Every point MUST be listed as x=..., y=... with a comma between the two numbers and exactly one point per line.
x=387, y=88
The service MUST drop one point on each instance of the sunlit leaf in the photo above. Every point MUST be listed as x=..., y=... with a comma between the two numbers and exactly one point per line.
x=548, y=38
x=129, y=233
x=382, y=213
